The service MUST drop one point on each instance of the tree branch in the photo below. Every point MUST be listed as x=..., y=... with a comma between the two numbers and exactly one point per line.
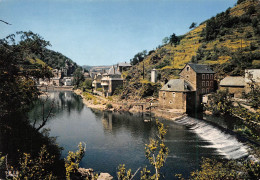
x=5, y=22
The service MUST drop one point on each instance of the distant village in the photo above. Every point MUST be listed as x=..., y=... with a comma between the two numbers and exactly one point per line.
x=196, y=82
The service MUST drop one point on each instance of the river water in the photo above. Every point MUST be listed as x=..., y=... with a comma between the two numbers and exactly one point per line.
x=120, y=138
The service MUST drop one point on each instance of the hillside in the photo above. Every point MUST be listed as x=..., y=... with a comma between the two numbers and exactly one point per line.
x=230, y=42
x=56, y=60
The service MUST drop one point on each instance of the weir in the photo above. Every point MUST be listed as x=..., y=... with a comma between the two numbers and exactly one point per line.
x=225, y=143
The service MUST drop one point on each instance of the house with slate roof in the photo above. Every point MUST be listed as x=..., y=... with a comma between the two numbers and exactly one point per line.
x=195, y=81
x=110, y=81
x=123, y=66
x=234, y=84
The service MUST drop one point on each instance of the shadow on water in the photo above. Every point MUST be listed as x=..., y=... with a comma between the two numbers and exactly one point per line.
x=115, y=138
x=18, y=136
x=27, y=133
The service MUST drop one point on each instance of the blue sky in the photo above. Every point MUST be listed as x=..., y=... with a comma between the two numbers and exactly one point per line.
x=104, y=32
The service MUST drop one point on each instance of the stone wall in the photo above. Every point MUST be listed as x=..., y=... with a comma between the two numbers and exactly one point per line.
x=237, y=91
x=172, y=100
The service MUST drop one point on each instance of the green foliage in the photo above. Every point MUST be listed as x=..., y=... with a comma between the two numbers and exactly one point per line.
x=212, y=169
x=87, y=84
x=123, y=174
x=72, y=162
x=220, y=103
x=2, y=165
x=109, y=106
x=164, y=63
x=139, y=57
x=193, y=25
x=118, y=90
x=174, y=39
x=78, y=78
x=17, y=73
x=246, y=132
x=57, y=60
x=156, y=152
x=253, y=96
x=240, y=1
x=240, y=60
x=36, y=168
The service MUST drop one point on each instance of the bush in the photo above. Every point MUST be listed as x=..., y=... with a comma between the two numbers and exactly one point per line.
x=109, y=106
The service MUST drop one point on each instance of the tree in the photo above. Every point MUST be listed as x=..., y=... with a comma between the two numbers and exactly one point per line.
x=165, y=40
x=17, y=74
x=78, y=77
x=72, y=161
x=139, y=57
x=193, y=25
x=156, y=152
x=174, y=39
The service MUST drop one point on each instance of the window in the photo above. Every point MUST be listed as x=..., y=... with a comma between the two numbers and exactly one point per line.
x=211, y=83
x=188, y=68
x=211, y=76
x=207, y=90
x=163, y=94
x=173, y=94
x=187, y=77
x=170, y=102
x=203, y=83
x=203, y=91
x=207, y=76
x=207, y=83
x=203, y=76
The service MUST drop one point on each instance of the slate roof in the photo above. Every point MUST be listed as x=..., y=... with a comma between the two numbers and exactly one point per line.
x=233, y=81
x=124, y=64
x=113, y=70
x=176, y=85
x=201, y=68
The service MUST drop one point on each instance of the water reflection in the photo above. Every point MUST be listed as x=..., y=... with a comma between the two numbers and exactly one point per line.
x=17, y=136
x=115, y=138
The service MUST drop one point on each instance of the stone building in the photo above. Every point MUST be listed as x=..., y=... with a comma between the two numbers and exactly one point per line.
x=200, y=77
x=97, y=81
x=195, y=81
x=234, y=84
x=110, y=81
x=123, y=66
x=174, y=95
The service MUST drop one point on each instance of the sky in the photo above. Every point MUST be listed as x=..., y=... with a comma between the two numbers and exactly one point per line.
x=105, y=32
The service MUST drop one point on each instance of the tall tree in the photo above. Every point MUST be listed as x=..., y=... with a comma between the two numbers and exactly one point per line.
x=17, y=73
x=193, y=25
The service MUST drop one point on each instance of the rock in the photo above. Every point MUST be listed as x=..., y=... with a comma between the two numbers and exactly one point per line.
x=86, y=172
x=104, y=176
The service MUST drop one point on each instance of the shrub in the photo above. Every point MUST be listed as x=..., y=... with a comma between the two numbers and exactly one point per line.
x=109, y=106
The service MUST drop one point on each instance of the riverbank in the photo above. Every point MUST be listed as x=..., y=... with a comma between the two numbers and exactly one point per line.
x=116, y=104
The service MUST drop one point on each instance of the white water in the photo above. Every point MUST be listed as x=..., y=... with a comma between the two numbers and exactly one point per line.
x=225, y=144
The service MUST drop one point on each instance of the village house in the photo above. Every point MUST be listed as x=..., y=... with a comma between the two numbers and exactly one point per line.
x=110, y=81
x=174, y=94
x=235, y=85
x=195, y=81
x=123, y=66
x=97, y=81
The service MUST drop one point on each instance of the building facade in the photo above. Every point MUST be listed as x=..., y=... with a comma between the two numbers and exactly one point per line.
x=235, y=85
x=110, y=81
x=195, y=81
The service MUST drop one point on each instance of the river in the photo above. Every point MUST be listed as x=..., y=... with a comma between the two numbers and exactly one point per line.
x=115, y=138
